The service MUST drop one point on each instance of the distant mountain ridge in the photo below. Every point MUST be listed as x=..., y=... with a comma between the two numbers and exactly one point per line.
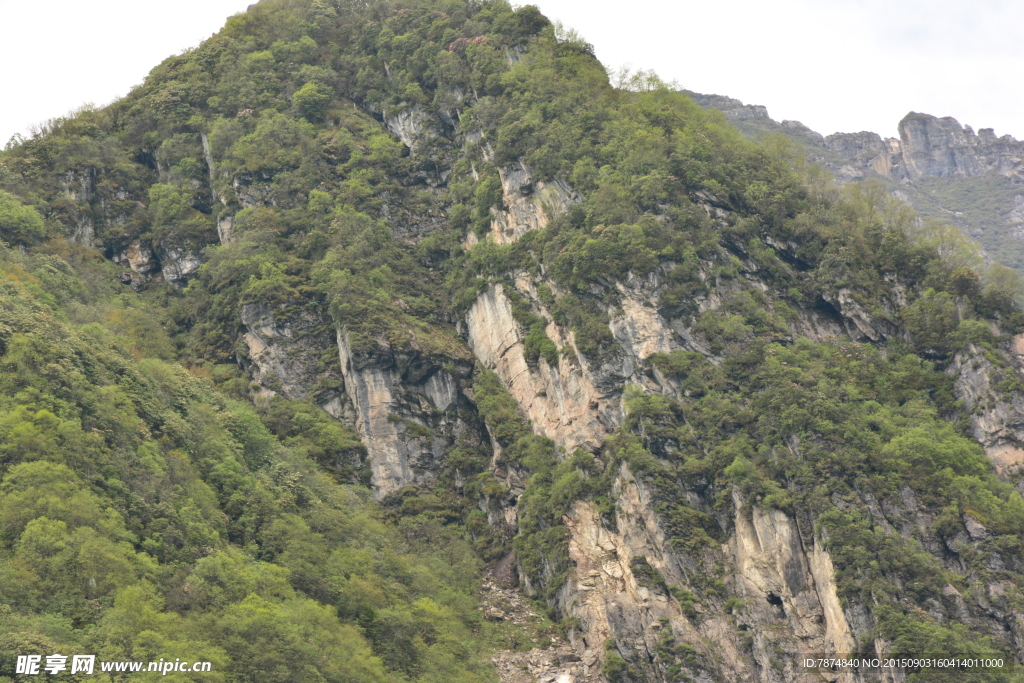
x=931, y=147
x=943, y=169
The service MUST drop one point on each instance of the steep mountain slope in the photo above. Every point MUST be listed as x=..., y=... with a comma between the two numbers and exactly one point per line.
x=708, y=410
x=945, y=170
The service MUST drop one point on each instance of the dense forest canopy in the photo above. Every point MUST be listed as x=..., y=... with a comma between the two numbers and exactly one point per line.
x=343, y=163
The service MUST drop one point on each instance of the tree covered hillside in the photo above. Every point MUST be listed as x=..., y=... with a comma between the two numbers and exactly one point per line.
x=147, y=514
x=249, y=413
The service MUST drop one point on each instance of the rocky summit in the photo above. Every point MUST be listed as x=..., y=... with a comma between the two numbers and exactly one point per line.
x=389, y=341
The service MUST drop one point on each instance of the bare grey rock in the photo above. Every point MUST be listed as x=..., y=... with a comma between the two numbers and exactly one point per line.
x=997, y=418
x=411, y=124
x=406, y=409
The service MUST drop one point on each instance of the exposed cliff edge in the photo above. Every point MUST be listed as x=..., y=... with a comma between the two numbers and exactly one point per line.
x=927, y=146
x=997, y=415
x=930, y=147
x=410, y=410
x=782, y=575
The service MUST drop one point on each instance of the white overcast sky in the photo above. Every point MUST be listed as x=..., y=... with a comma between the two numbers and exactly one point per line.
x=835, y=65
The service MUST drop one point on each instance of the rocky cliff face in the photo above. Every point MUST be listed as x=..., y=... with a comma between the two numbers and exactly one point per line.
x=929, y=147
x=562, y=402
x=409, y=410
x=784, y=577
x=678, y=519
x=103, y=211
x=997, y=414
x=742, y=609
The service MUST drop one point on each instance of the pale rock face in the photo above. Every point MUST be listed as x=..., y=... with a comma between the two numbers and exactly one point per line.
x=940, y=147
x=997, y=419
x=732, y=108
x=928, y=147
x=178, y=264
x=442, y=390
x=789, y=590
x=373, y=391
x=529, y=205
x=640, y=329
x=139, y=257
x=817, y=326
x=774, y=568
x=80, y=187
x=838, y=636
x=410, y=125
x=858, y=323
x=562, y=402
x=173, y=264
x=209, y=163
x=225, y=224
x=226, y=229
x=406, y=416
x=770, y=560
x=574, y=403
x=281, y=349
x=603, y=593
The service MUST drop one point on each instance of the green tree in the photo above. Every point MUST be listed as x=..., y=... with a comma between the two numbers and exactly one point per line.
x=312, y=101
x=931, y=320
x=19, y=224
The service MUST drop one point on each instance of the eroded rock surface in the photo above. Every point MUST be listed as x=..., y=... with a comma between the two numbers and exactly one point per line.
x=529, y=204
x=997, y=416
x=407, y=411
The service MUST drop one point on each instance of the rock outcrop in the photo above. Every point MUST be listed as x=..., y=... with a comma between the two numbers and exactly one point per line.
x=940, y=167
x=284, y=352
x=929, y=147
x=409, y=410
x=411, y=124
x=782, y=573
x=529, y=204
x=155, y=263
x=997, y=415
x=561, y=401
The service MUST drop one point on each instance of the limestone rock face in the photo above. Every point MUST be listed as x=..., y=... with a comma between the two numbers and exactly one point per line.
x=80, y=188
x=411, y=125
x=178, y=264
x=997, y=417
x=100, y=213
x=776, y=568
x=407, y=412
x=284, y=354
x=137, y=255
x=781, y=571
x=941, y=147
x=562, y=401
x=787, y=586
x=529, y=204
x=149, y=262
x=858, y=322
x=928, y=147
